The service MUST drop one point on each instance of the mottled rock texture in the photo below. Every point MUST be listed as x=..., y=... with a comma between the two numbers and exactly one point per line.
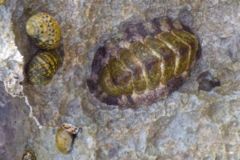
x=188, y=125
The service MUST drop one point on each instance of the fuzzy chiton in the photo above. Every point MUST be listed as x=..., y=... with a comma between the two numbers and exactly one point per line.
x=146, y=62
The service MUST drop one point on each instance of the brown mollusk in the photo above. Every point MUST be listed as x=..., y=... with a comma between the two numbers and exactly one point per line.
x=149, y=61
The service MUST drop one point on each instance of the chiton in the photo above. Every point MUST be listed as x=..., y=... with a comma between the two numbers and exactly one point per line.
x=146, y=62
x=42, y=67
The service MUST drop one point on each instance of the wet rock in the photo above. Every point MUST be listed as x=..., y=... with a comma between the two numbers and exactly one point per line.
x=187, y=125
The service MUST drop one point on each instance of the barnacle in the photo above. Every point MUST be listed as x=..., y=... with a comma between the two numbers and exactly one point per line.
x=159, y=55
x=44, y=31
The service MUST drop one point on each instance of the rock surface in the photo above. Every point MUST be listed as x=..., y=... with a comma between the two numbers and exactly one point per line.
x=190, y=124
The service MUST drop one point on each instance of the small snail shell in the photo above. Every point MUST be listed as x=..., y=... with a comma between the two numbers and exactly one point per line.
x=44, y=30
x=65, y=137
x=2, y=2
x=29, y=155
x=42, y=67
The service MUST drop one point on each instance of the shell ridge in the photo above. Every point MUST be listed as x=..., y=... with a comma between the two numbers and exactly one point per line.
x=189, y=52
x=162, y=63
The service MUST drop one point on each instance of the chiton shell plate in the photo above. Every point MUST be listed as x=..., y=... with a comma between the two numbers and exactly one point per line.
x=146, y=62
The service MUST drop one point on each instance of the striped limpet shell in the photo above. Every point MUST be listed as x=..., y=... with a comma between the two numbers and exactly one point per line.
x=42, y=67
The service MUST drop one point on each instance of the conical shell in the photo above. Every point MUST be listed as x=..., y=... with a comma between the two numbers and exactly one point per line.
x=64, y=137
x=44, y=30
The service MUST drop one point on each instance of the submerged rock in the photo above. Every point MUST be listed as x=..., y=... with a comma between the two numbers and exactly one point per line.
x=187, y=125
